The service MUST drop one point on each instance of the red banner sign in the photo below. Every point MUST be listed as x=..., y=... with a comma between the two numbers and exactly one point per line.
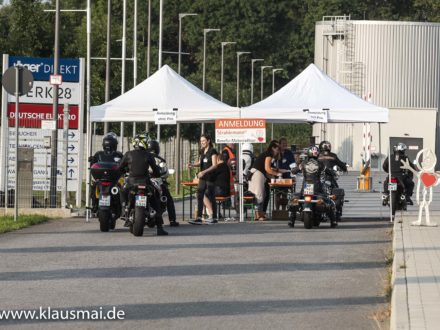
x=31, y=115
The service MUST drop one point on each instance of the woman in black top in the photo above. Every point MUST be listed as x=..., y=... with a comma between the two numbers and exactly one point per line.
x=262, y=170
x=207, y=163
x=222, y=176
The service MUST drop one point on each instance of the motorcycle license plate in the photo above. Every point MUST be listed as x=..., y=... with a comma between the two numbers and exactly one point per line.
x=141, y=201
x=392, y=186
x=309, y=189
x=104, y=200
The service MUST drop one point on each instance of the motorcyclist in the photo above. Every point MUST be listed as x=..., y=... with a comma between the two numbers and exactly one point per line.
x=311, y=168
x=154, y=149
x=330, y=159
x=108, y=154
x=404, y=177
x=137, y=163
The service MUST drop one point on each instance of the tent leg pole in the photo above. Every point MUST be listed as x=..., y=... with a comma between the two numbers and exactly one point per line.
x=177, y=162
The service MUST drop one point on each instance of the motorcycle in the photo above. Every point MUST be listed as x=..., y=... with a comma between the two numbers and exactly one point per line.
x=398, y=197
x=107, y=176
x=330, y=187
x=312, y=207
x=160, y=183
x=139, y=210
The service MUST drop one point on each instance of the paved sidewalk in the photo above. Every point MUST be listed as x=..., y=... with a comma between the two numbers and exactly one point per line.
x=416, y=276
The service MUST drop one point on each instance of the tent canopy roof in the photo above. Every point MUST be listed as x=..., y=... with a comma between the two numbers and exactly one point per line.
x=164, y=90
x=312, y=89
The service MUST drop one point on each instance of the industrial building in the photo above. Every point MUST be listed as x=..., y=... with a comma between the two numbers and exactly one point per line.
x=392, y=64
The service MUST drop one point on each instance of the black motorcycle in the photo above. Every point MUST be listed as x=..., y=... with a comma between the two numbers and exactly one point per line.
x=107, y=191
x=140, y=212
x=398, y=197
x=330, y=187
x=312, y=207
x=160, y=184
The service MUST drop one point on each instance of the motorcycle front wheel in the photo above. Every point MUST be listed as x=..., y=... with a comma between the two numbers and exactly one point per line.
x=308, y=220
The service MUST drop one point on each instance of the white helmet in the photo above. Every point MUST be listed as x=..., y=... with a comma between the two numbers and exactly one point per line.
x=248, y=146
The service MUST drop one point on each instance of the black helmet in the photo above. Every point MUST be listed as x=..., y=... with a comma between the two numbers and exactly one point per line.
x=325, y=146
x=110, y=142
x=400, y=147
x=140, y=141
x=313, y=152
x=154, y=147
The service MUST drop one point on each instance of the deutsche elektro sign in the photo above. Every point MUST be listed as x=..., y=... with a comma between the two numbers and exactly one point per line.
x=42, y=68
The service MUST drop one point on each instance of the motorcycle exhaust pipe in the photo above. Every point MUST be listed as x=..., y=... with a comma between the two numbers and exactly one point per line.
x=114, y=190
x=152, y=213
x=163, y=199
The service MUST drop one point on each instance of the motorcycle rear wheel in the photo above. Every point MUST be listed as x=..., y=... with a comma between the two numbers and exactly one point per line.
x=139, y=221
x=105, y=217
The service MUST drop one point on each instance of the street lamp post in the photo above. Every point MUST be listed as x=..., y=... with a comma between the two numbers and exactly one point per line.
x=262, y=81
x=205, y=32
x=224, y=43
x=160, y=38
x=88, y=13
x=254, y=60
x=273, y=88
x=54, y=146
x=238, y=75
x=273, y=78
x=107, y=60
x=177, y=163
x=148, y=41
x=182, y=15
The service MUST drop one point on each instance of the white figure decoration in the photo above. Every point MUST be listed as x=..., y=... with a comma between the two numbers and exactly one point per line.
x=426, y=177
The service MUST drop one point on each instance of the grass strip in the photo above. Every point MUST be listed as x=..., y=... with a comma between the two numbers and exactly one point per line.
x=7, y=223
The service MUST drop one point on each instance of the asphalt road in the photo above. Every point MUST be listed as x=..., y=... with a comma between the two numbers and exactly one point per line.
x=224, y=276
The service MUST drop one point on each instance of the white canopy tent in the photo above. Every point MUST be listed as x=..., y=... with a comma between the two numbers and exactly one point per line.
x=313, y=90
x=164, y=90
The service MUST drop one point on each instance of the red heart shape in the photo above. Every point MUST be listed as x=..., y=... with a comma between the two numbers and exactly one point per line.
x=428, y=179
x=260, y=139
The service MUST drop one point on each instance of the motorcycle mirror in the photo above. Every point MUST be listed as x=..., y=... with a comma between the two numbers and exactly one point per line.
x=171, y=171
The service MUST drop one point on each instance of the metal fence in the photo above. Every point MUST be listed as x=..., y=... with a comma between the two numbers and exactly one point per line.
x=34, y=157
